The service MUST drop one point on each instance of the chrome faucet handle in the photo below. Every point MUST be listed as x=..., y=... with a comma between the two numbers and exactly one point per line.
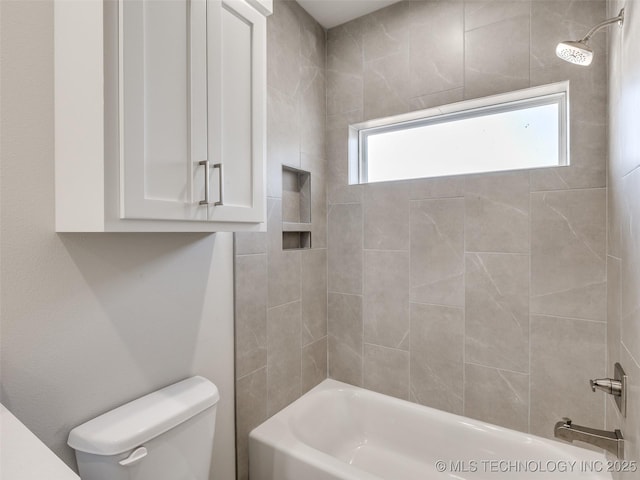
x=567, y=421
x=608, y=385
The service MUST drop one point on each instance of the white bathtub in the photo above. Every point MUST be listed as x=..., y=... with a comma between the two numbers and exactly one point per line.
x=337, y=431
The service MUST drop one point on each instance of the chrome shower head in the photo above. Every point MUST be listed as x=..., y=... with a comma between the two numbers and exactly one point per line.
x=575, y=52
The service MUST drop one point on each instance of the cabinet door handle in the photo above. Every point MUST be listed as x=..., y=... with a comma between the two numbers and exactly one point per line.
x=205, y=163
x=220, y=182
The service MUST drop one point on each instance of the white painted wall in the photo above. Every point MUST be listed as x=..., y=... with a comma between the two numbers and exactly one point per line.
x=331, y=13
x=90, y=321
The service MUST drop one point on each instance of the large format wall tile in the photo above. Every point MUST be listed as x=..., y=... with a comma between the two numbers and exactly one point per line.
x=623, y=213
x=385, y=31
x=479, y=13
x=314, y=364
x=440, y=187
x=283, y=130
x=415, y=58
x=437, y=259
x=630, y=306
x=553, y=21
x=312, y=112
x=249, y=243
x=386, y=81
x=281, y=296
x=386, y=298
x=497, y=396
x=386, y=216
x=497, y=212
x=436, y=99
x=283, y=48
x=615, y=203
x=271, y=365
x=344, y=48
x=345, y=248
x=587, y=129
x=497, y=310
x=283, y=266
x=314, y=295
x=338, y=188
x=345, y=338
x=568, y=253
x=629, y=98
x=285, y=357
x=344, y=92
x=614, y=303
x=497, y=58
x=550, y=25
x=437, y=344
x=565, y=354
x=344, y=70
x=318, y=169
x=386, y=370
x=313, y=40
x=251, y=313
x=251, y=411
x=434, y=70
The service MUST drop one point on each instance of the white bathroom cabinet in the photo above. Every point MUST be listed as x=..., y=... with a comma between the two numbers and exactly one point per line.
x=160, y=115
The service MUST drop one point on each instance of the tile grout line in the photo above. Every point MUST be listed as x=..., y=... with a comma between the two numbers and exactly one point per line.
x=575, y=319
x=327, y=179
x=284, y=304
x=298, y=100
x=492, y=367
x=633, y=358
x=427, y=199
x=559, y=190
x=386, y=347
x=529, y=302
x=410, y=380
x=382, y=250
x=464, y=287
x=263, y=367
x=362, y=273
x=442, y=305
x=606, y=222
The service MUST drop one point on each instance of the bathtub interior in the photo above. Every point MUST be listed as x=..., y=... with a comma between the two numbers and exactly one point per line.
x=341, y=432
x=327, y=422
x=392, y=438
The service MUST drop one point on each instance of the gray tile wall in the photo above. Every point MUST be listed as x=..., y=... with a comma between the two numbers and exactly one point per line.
x=623, y=248
x=281, y=296
x=483, y=295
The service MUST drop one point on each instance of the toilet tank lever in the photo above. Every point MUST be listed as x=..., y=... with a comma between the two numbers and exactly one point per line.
x=135, y=456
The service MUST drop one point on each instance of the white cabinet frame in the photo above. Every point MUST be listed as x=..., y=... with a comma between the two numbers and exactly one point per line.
x=87, y=144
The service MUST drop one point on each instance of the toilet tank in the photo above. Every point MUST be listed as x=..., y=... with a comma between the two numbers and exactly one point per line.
x=166, y=435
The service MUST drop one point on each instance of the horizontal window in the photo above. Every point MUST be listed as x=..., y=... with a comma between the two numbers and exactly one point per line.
x=513, y=131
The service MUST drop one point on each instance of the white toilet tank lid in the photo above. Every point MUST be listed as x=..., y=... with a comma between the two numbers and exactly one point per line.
x=139, y=421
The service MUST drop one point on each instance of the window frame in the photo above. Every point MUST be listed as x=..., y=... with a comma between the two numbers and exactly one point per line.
x=555, y=93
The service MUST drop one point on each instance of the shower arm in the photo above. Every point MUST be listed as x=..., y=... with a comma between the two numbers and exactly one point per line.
x=619, y=19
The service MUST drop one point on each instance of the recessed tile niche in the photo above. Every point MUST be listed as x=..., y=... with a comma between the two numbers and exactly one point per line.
x=296, y=208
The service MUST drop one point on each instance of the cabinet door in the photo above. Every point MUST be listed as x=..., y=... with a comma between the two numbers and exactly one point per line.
x=163, y=108
x=237, y=111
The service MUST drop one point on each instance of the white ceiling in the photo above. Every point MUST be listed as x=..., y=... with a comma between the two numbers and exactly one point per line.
x=330, y=13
